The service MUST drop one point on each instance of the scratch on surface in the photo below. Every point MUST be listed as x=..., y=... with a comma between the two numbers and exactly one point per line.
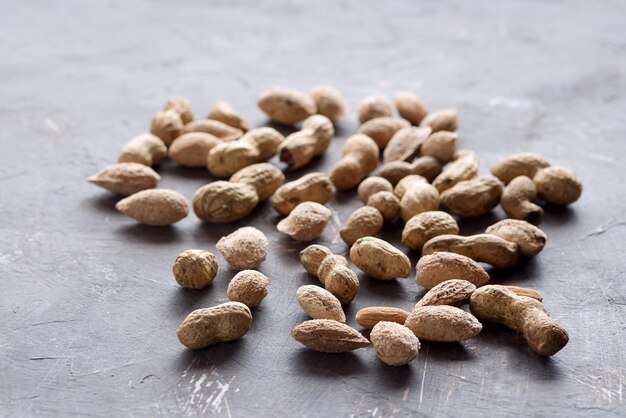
x=205, y=391
x=607, y=226
x=600, y=157
x=423, y=377
x=606, y=393
x=51, y=126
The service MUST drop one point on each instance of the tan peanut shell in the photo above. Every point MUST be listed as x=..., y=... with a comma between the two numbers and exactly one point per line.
x=544, y=335
x=371, y=186
x=433, y=269
x=368, y=317
x=529, y=239
x=167, y=125
x=264, y=177
x=407, y=183
x=126, y=178
x=299, y=148
x=338, y=278
x=441, y=145
x=558, y=185
x=442, y=323
x=517, y=200
x=379, y=259
x=374, y=106
x=245, y=248
x=225, y=113
x=465, y=167
x=382, y=129
x=248, y=287
x=484, y=248
x=192, y=149
x=451, y=292
x=182, y=106
x=224, y=201
x=328, y=265
x=472, y=198
x=521, y=164
x=442, y=120
x=525, y=291
x=394, y=171
x=405, y=144
x=156, y=207
x=426, y=225
x=312, y=256
x=195, y=269
x=145, y=149
x=329, y=102
x=214, y=127
x=312, y=187
x=306, y=222
x=427, y=167
x=205, y=327
x=363, y=222
x=359, y=157
x=395, y=344
x=319, y=303
x=286, y=106
x=421, y=197
x=387, y=204
x=410, y=107
x=328, y=336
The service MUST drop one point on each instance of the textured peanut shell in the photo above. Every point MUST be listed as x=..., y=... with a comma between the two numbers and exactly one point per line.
x=517, y=200
x=433, y=269
x=195, y=269
x=204, y=327
x=299, y=148
x=463, y=168
x=522, y=164
x=306, y=222
x=529, y=239
x=248, y=287
x=286, y=106
x=312, y=256
x=442, y=324
x=363, y=222
x=312, y=187
x=319, y=303
x=544, y=335
x=338, y=278
x=215, y=128
x=244, y=248
x=374, y=106
x=224, y=201
x=410, y=107
x=441, y=145
x=145, y=149
x=328, y=336
x=421, y=197
x=427, y=167
x=394, y=171
x=379, y=259
x=386, y=203
x=524, y=291
x=182, y=106
x=167, y=125
x=407, y=183
x=382, y=129
x=359, y=157
x=558, y=185
x=126, y=178
x=484, y=248
x=472, y=198
x=329, y=102
x=442, y=120
x=368, y=317
x=328, y=264
x=225, y=113
x=405, y=144
x=192, y=149
x=371, y=186
x=395, y=344
x=156, y=207
x=426, y=225
x=264, y=177
x=451, y=292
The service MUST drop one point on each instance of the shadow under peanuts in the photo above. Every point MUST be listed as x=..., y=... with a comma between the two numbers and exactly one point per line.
x=186, y=173
x=445, y=352
x=285, y=130
x=150, y=234
x=525, y=269
x=104, y=202
x=393, y=377
x=390, y=290
x=477, y=225
x=308, y=362
x=191, y=361
x=184, y=301
x=556, y=215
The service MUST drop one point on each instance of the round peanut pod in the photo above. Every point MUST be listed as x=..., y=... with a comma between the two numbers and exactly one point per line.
x=382, y=129
x=204, y=327
x=558, y=185
x=427, y=167
x=433, y=269
x=328, y=336
x=329, y=101
x=407, y=183
x=374, y=106
x=441, y=145
x=195, y=269
x=225, y=113
x=126, y=178
x=371, y=186
x=530, y=240
x=369, y=317
x=248, y=287
x=484, y=248
x=312, y=256
x=319, y=303
x=421, y=197
x=264, y=177
x=167, y=125
x=442, y=323
x=224, y=201
x=182, y=106
x=243, y=249
x=379, y=259
x=517, y=200
x=312, y=187
x=328, y=264
x=395, y=344
x=410, y=107
x=515, y=165
x=450, y=292
x=387, y=204
x=306, y=222
x=359, y=157
x=442, y=120
x=156, y=207
x=214, y=127
x=472, y=198
x=426, y=225
x=286, y=106
x=405, y=144
x=145, y=149
x=465, y=167
x=338, y=278
x=363, y=222
x=299, y=148
x=192, y=149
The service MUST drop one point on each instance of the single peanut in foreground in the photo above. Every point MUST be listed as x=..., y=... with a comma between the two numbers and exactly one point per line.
x=359, y=158
x=145, y=149
x=374, y=106
x=426, y=225
x=167, y=125
x=363, y=222
x=395, y=344
x=332, y=271
x=410, y=106
x=195, y=269
x=319, y=303
x=442, y=323
x=405, y=143
x=472, y=198
x=370, y=316
x=329, y=101
x=248, y=287
x=433, y=269
x=244, y=249
x=156, y=207
x=442, y=120
x=484, y=248
x=328, y=336
x=518, y=198
x=192, y=149
x=382, y=129
x=312, y=187
x=306, y=222
x=286, y=106
x=521, y=164
x=558, y=185
x=182, y=106
x=530, y=240
x=379, y=259
x=204, y=327
x=451, y=292
x=126, y=178
x=225, y=113
x=299, y=148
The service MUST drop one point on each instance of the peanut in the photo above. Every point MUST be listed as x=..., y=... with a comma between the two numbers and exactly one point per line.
x=426, y=225
x=244, y=249
x=382, y=129
x=418, y=198
x=265, y=177
x=319, y=303
x=157, y=207
x=405, y=144
x=248, y=287
x=544, y=335
x=379, y=259
x=312, y=187
x=181, y=106
x=329, y=101
x=387, y=204
x=524, y=291
x=522, y=164
x=373, y=106
x=442, y=120
x=434, y=269
x=365, y=221
x=192, y=149
x=306, y=222
x=472, y=198
x=195, y=269
x=371, y=186
x=441, y=145
x=328, y=336
x=214, y=127
x=224, y=112
x=529, y=239
x=442, y=323
x=451, y=292
x=410, y=107
x=313, y=140
x=406, y=183
x=312, y=256
x=517, y=200
x=256, y=146
x=465, y=167
x=286, y=106
x=394, y=171
x=145, y=149
x=558, y=185
x=485, y=248
x=332, y=271
x=125, y=178
x=395, y=344
x=204, y=327
x=369, y=317
x=359, y=157
x=167, y=125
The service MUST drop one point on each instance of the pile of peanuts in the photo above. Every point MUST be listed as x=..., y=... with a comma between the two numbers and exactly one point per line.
x=423, y=179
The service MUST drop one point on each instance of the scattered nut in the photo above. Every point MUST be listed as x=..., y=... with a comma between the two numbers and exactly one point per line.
x=441, y=145
x=224, y=201
x=426, y=225
x=371, y=186
x=157, y=207
x=329, y=101
x=395, y=344
x=359, y=157
x=224, y=112
x=192, y=149
x=410, y=107
x=181, y=106
x=418, y=198
x=386, y=203
x=379, y=259
x=328, y=336
x=264, y=177
x=374, y=106
x=369, y=317
x=442, y=120
x=286, y=106
x=433, y=269
x=522, y=164
x=394, y=171
x=145, y=149
x=484, y=248
x=195, y=269
x=306, y=222
x=472, y=198
x=319, y=303
x=332, y=271
x=312, y=256
x=406, y=183
x=517, y=200
x=312, y=187
x=126, y=178
x=529, y=239
x=313, y=140
x=363, y=222
x=382, y=129
x=204, y=327
x=558, y=185
x=405, y=144
x=214, y=127
x=248, y=287
x=465, y=167
x=450, y=292
x=442, y=323
x=167, y=125
x=246, y=248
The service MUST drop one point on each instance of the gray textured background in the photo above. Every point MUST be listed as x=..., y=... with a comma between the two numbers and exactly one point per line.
x=88, y=306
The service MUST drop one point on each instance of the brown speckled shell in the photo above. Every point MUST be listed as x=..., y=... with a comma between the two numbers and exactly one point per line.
x=529, y=239
x=379, y=259
x=157, y=207
x=126, y=178
x=224, y=201
x=484, y=248
x=204, y=327
x=245, y=248
x=395, y=344
x=426, y=225
x=451, y=292
x=319, y=303
x=286, y=106
x=472, y=198
x=248, y=287
x=442, y=324
x=328, y=336
x=382, y=129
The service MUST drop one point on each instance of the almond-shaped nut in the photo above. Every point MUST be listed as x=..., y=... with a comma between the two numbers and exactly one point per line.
x=215, y=128
x=442, y=120
x=405, y=144
x=328, y=336
x=243, y=249
x=145, y=149
x=395, y=344
x=195, y=269
x=472, y=198
x=312, y=256
x=182, y=106
x=312, y=187
x=167, y=125
x=371, y=186
x=286, y=106
x=521, y=164
x=319, y=303
x=306, y=222
x=441, y=145
x=264, y=177
x=421, y=197
x=248, y=287
x=451, y=292
x=382, y=129
x=156, y=207
x=426, y=225
x=558, y=185
x=484, y=248
x=379, y=259
x=192, y=149
x=525, y=291
x=225, y=113
x=368, y=317
x=442, y=324
x=374, y=106
x=410, y=107
x=363, y=222
x=126, y=178
x=517, y=200
x=205, y=327
x=465, y=167
x=224, y=201
x=440, y=267
x=386, y=203
x=329, y=101
x=529, y=239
